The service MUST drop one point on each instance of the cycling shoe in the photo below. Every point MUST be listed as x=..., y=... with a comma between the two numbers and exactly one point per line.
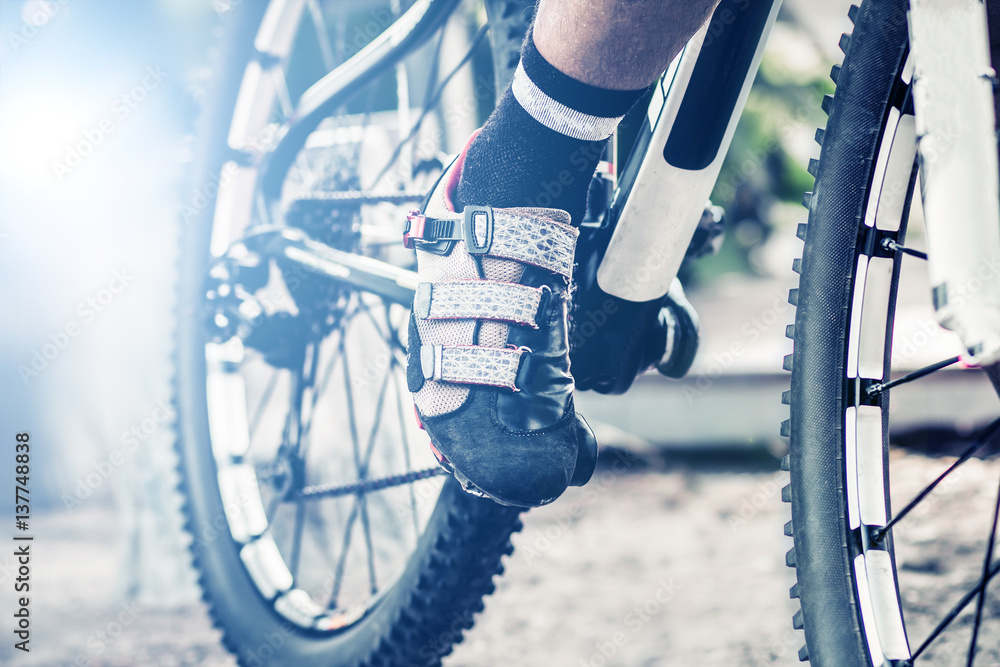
x=488, y=357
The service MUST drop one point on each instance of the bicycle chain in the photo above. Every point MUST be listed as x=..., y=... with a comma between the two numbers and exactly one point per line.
x=367, y=486
x=354, y=197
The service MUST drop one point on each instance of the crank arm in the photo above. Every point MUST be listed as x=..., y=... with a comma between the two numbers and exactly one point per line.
x=295, y=246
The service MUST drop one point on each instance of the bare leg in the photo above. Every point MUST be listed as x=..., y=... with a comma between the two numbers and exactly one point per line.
x=584, y=65
x=617, y=44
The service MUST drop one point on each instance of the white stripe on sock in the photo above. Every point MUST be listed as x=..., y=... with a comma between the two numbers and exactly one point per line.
x=557, y=116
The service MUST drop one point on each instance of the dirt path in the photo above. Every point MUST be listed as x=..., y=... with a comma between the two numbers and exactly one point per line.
x=681, y=568
x=669, y=567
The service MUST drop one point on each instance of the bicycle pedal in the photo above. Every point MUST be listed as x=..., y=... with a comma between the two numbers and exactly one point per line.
x=681, y=323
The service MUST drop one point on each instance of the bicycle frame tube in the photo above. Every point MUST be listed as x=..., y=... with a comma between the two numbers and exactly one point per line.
x=294, y=247
x=691, y=121
x=952, y=94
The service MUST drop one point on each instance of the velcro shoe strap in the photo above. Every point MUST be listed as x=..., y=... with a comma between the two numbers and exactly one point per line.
x=471, y=364
x=478, y=300
x=534, y=240
x=511, y=234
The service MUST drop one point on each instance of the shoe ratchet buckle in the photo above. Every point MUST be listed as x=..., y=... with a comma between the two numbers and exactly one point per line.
x=475, y=228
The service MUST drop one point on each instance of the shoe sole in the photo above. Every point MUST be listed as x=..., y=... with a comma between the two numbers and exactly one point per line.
x=471, y=488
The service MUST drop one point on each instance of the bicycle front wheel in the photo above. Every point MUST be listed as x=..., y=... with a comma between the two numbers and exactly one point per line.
x=859, y=604
x=321, y=530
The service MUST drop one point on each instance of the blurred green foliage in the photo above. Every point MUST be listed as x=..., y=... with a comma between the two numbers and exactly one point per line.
x=762, y=167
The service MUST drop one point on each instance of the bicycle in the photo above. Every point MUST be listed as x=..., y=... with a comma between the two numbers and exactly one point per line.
x=294, y=276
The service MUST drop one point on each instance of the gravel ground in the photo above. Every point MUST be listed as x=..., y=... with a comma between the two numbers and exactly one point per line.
x=672, y=564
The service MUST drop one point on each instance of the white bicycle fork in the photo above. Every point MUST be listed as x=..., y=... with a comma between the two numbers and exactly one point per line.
x=960, y=186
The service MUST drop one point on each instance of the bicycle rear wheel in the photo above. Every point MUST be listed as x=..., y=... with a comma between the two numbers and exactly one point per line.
x=321, y=531
x=858, y=604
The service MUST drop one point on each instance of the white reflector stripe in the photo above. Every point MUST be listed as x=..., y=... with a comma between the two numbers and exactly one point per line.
x=871, y=469
x=851, y=461
x=867, y=611
x=557, y=116
x=897, y=175
x=885, y=604
x=874, y=318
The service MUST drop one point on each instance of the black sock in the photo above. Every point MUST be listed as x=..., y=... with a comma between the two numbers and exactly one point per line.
x=542, y=143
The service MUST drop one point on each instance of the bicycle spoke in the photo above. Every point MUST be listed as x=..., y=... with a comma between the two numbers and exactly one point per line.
x=338, y=573
x=360, y=466
x=366, y=120
x=290, y=418
x=956, y=610
x=300, y=511
x=272, y=508
x=351, y=419
x=375, y=323
x=366, y=525
x=340, y=21
x=986, y=570
x=265, y=397
x=430, y=104
x=327, y=374
x=321, y=532
x=406, y=447
x=361, y=462
x=891, y=245
x=338, y=350
x=396, y=343
x=370, y=447
x=325, y=48
x=281, y=92
x=878, y=387
x=879, y=533
x=309, y=382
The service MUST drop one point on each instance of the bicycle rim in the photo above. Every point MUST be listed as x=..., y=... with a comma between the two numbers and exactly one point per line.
x=859, y=605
